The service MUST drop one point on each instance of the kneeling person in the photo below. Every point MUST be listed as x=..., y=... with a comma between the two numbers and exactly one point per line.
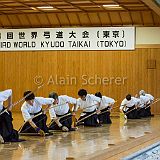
x=32, y=107
x=61, y=117
x=88, y=103
x=105, y=107
x=148, y=106
x=129, y=107
x=144, y=101
x=7, y=133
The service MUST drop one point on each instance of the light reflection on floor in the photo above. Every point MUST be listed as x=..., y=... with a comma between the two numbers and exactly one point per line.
x=85, y=141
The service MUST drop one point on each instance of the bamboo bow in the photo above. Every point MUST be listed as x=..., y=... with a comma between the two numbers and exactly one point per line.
x=14, y=104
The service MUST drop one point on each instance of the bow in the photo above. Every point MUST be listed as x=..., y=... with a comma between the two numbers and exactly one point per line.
x=14, y=104
x=158, y=99
x=59, y=119
x=46, y=109
x=92, y=115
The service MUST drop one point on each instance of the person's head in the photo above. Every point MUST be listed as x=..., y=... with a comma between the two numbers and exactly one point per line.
x=128, y=97
x=82, y=93
x=29, y=97
x=54, y=95
x=142, y=92
x=137, y=96
x=98, y=94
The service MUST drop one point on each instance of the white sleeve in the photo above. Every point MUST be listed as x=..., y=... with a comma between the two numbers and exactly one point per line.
x=112, y=101
x=44, y=101
x=70, y=99
x=26, y=115
x=123, y=104
x=136, y=100
x=5, y=94
x=78, y=104
x=144, y=99
x=52, y=112
x=151, y=97
x=95, y=98
x=109, y=100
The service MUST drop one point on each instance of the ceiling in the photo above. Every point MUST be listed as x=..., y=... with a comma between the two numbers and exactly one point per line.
x=66, y=13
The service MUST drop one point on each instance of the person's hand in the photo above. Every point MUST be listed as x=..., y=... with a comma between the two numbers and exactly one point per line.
x=136, y=95
x=1, y=139
x=65, y=129
x=44, y=111
x=125, y=117
x=98, y=111
x=73, y=113
x=41, y=132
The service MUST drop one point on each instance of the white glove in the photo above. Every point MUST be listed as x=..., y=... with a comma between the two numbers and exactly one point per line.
x=1, y=139
x=65, y=129
x=125, y=116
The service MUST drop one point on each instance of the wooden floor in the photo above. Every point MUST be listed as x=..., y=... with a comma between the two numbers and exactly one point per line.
x=107, y=142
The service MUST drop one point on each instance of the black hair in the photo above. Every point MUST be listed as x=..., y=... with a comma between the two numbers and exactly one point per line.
x=128, y=97
x=82, y=92
x=28, y=95
x=53, y=95
x=98, y=94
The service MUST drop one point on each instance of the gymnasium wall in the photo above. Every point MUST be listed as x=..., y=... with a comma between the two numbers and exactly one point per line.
x=114, y=73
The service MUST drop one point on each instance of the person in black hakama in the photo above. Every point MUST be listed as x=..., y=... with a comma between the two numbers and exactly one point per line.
x=129, y=107
x=144, y=101
x=7, y=132
x=148, y=105
x=61, y=117
x=88, y=103
x=105, y=107
x=32, y=107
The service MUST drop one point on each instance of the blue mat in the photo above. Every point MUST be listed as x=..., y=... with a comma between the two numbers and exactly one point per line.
x=149, y=153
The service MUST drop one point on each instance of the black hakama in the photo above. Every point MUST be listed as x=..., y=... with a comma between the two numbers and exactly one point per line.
x=132, y=114
x=40, y=122
x=148, y=110
x=7, y=131
x=142, y=112
x=90, y=121
x=65, y=121
x=104, y=118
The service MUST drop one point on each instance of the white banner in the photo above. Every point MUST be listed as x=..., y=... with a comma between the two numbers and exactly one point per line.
x=93, y=38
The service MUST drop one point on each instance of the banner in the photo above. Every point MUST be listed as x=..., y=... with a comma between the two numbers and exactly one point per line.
x=93, y=38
